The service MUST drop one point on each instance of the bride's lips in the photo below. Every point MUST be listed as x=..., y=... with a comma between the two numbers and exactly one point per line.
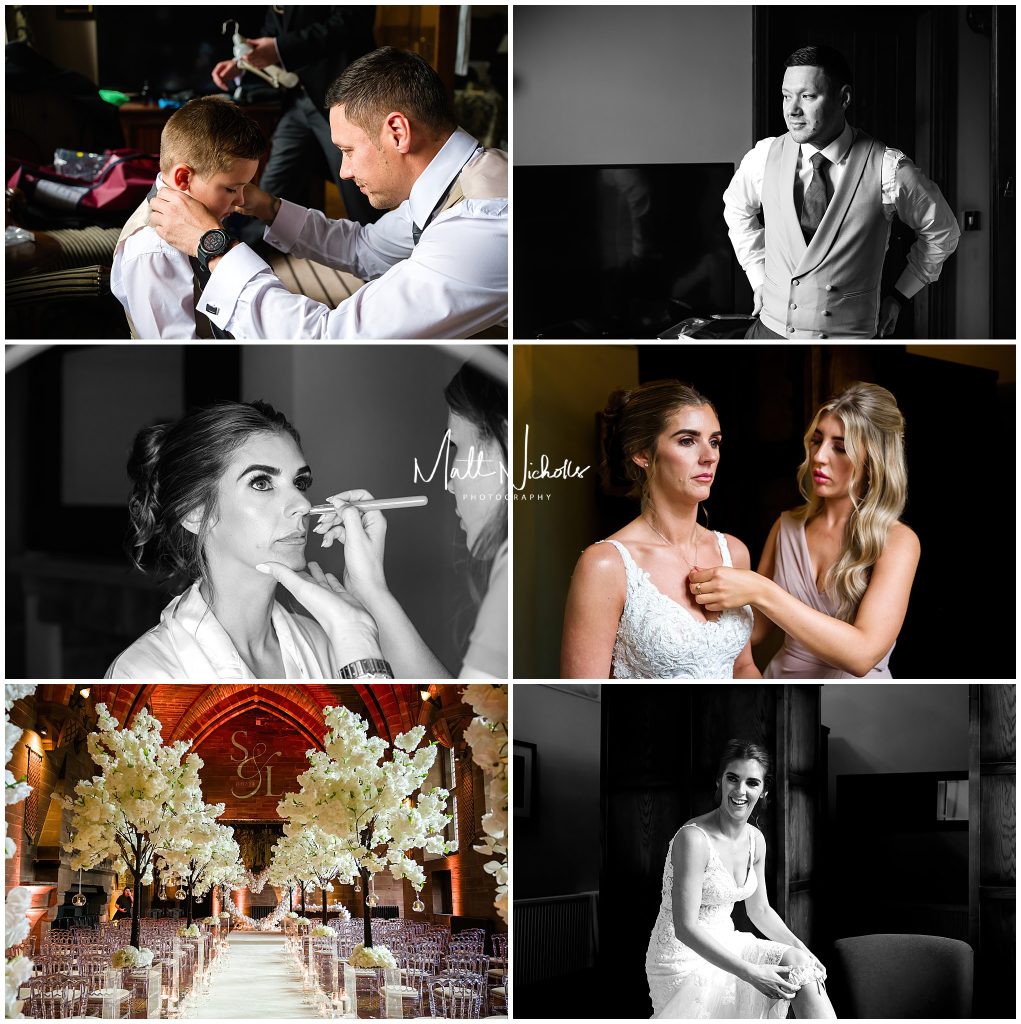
x=706, y=478
x=293, y=538
x=820, y=478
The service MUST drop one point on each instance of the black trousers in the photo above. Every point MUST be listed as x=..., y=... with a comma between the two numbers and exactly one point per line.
x=759, y=330
x=302, y=141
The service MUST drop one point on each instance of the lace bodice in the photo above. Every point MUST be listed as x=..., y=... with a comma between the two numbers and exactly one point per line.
x=657, y=638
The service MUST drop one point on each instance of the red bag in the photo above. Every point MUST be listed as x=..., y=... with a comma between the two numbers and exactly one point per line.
x=120, y=186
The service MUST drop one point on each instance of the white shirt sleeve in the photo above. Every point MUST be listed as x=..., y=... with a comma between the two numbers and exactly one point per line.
x=156, y=289
x=742, y=206
x=453, y=284
x=919, y=204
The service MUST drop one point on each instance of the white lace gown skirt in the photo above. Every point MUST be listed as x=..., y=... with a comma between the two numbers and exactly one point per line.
x=686, y=987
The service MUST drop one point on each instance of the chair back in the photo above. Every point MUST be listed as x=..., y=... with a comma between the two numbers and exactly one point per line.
x=902, y=976
x=456, y=995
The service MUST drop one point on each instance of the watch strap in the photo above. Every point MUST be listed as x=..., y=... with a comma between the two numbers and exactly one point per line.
x=366, y=668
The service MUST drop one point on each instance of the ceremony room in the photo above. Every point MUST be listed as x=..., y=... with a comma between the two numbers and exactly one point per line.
x=256, y=851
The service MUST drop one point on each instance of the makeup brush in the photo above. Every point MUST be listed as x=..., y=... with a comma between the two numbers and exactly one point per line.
x=374, y=504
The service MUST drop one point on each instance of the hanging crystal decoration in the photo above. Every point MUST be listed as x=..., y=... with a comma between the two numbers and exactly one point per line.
x=79, y=899
x=372, y=899
x=358, y=885
x=181, y=894
x=418, y=906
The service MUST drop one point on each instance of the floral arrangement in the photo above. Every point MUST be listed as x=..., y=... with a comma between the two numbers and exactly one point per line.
x=371, y=956
x=323, y=931
x=213, y=922
x=373, y=806
x=18, y=900
x=487, y=736
x=224, y=916
x=129, y=956
x=302, y=922
x=291, y=915
x=189, y=931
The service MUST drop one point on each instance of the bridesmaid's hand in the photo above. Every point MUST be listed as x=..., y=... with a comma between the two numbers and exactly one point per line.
x=771, y=981
x=723, y=587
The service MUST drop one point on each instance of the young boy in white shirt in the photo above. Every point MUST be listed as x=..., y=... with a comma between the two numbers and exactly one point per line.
x=209, y=149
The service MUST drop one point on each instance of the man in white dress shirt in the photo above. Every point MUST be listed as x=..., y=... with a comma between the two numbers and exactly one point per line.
x=436, y=264
x=827, y=193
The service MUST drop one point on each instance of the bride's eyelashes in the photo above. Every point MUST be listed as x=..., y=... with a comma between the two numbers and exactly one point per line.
x=264, y=482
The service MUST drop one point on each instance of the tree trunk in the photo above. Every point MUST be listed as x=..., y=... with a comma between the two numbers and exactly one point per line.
x=191, y=896
x=290, y=897
x=136, y=927
x=326, y=913
x=365, y=905
x=302, y=899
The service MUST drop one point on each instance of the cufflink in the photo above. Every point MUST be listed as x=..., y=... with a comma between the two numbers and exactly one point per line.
x=212, y=309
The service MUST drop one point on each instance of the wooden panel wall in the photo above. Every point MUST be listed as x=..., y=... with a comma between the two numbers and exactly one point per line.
x=993, y=846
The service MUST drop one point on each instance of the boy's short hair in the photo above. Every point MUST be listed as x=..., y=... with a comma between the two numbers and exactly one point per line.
x=389, y=79
x=207, y=134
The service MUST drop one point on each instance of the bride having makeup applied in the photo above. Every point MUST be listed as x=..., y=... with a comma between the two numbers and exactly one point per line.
x=217, y=493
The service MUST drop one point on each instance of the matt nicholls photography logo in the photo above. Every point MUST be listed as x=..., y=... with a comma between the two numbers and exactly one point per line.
x=477, y=466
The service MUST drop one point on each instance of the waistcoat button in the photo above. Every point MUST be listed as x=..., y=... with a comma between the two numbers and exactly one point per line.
x=823, y=336
x=794, y=305
x=829, y=287
x=790, y=330
x=826, y=312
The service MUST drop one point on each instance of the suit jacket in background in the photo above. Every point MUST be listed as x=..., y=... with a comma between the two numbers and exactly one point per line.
x=318, y=43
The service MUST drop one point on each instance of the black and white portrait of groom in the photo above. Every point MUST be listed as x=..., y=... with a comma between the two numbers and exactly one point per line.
x=826, y=193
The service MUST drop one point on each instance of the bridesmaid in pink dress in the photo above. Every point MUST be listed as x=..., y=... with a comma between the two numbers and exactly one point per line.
x=836, y=573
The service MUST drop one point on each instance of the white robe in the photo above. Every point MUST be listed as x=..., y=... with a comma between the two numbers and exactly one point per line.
x=189, y=643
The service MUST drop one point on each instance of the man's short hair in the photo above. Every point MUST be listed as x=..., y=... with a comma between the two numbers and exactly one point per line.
x=832, y=63
x=208, y=134
x=389, y=79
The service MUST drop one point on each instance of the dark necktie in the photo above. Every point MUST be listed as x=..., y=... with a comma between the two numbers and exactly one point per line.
x=817, y=197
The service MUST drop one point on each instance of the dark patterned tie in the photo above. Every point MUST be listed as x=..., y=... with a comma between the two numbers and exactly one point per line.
x=817, y=197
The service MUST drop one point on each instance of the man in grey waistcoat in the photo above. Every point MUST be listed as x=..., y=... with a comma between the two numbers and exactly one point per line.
x=828, y=193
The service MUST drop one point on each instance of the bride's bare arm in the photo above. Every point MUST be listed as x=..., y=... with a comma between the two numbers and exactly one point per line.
x=595, y=601
x=853, y=647
x=690, y=856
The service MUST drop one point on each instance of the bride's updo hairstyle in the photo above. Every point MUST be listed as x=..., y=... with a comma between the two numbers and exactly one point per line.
x=874, y=442
x=176, y=469
x=633, y=420
x=745, y=750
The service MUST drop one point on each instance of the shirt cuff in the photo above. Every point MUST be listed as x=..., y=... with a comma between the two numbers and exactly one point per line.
x=909, y=285
x=232, y=273
x=756, y=273
x=286, y=226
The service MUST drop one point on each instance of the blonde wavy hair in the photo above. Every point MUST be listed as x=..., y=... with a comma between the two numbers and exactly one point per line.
x=874, y=442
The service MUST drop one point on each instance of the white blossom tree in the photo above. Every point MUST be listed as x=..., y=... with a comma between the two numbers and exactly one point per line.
x=372, y=806
x=312, y=855
x=18, y=969
x=201, y=852
x=124, y=815
x=488, y=738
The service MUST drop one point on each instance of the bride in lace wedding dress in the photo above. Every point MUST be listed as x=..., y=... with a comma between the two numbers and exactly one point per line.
x=629, y=612
x=699, y=966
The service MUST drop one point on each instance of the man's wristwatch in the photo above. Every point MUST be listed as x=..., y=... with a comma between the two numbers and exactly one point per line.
x=213, y=243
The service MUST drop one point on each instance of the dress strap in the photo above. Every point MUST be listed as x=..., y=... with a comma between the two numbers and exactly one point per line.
x=631, y=569
x=691, y=824
x=724, y=550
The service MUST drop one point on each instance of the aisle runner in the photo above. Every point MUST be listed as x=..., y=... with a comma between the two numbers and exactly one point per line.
x=259, y=982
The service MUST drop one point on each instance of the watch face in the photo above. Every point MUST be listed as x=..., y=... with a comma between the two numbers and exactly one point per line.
x=213, y=242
